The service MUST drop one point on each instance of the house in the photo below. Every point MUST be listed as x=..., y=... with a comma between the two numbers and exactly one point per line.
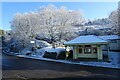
x=114, y=48
x=88, y=46
x=114, y=42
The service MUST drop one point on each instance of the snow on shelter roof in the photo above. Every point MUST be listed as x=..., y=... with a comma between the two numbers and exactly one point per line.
x=88, y=39
x=109, y=37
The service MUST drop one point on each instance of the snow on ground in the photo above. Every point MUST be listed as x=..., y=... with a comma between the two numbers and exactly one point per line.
x=57, y=50
x=40, y=52
x=98, y=64
x=42, y=43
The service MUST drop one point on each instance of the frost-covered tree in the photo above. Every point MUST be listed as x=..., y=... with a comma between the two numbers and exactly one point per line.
x=114, y=20
x=50, y=22
x=59, y=22
x=24, y=27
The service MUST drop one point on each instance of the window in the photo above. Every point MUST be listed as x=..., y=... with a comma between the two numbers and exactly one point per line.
x=80, y=50
x=94, y=50
x=87, y=45
x=80, y=46
x=87, y=50
x=94, y=46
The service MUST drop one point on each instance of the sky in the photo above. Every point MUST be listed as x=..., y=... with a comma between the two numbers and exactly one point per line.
x=91, y=10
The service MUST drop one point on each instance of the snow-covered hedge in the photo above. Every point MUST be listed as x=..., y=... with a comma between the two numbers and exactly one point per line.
x=50, y=55
x=57, y=53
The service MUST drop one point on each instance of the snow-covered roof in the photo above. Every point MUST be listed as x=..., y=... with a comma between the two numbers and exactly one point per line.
x=109, y=37
x=88, y=39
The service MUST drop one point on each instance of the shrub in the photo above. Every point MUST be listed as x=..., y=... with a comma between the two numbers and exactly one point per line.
x=61, y=55
x=50, y=55
x=70, y=56
x=28, y=52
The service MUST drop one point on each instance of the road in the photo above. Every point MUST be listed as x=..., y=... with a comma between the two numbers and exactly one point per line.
x=14, y=68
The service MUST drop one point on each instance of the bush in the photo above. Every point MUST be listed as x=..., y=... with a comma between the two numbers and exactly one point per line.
x=70, y=56
x=28, y=53
x=33, y=49
x=50, y=55
x=14, y=48
x=5, y=50
x=61, y=55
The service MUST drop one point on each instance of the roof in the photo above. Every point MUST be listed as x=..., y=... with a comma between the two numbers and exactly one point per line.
x=88, y=39
x=109, y=37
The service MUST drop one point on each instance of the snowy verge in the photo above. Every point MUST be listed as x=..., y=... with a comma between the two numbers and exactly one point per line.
x=97, y=64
